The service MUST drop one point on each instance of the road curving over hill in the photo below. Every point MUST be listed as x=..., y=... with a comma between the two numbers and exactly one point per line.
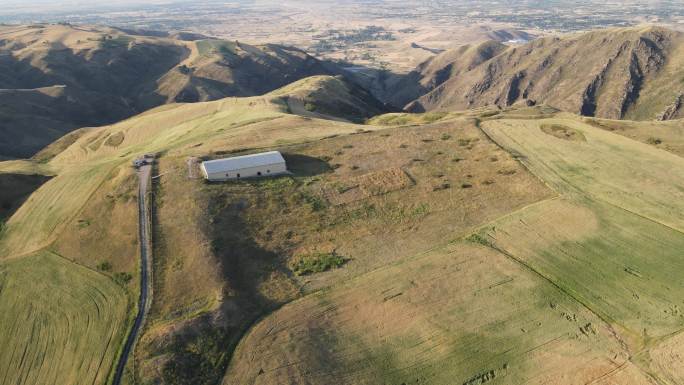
x=145, y=299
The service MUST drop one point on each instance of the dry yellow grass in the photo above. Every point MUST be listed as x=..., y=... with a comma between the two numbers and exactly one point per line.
x=229, y=255
x=87, y=211
x=600, y=246
x=668, y=135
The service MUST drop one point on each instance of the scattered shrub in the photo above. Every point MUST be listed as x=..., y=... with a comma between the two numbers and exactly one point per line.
x=479, y=239
x=314, y=201
x=654, y=141
x=506, y=172
x=104, y=266
x=445, y=136
x=310, y=107
x=317, y=262
x=122, y=278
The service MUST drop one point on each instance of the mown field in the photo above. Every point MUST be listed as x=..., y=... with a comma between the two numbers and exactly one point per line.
x=61, y=323
x=613, y=241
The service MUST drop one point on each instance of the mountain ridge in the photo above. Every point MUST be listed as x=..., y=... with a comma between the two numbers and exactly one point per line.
x=622, y=73
x=55, y=78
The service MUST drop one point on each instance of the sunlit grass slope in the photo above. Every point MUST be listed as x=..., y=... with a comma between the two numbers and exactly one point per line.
x=593, y=269
x=67, y=317
x=61, y=323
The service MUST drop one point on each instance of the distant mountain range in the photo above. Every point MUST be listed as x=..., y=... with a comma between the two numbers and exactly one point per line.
x=626, y=73
x=55, y=78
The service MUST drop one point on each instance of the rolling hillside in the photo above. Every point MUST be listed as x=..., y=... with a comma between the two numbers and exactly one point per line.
x=84, y=219
x=630, y=73
x=55, y=78
x=520, y=245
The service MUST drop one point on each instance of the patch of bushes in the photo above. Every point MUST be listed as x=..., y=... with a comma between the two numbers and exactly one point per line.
x=110, y=42
x=314, y=201
x=310, y=107
x=506, y=172
x=479, y=239
x=317, y=263
x=104, y=266
x=198, y=359
x=445, y=136
x=122, y=278
x=654, y=141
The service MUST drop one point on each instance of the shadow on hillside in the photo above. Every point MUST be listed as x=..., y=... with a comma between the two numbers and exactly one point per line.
x=303, y=165
x=386, y=86
x=15, y=189
x=256, y=283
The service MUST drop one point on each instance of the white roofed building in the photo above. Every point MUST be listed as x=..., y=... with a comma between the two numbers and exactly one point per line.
x=246, y=166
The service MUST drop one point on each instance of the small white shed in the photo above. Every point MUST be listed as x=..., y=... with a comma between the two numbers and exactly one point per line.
x=246, y=166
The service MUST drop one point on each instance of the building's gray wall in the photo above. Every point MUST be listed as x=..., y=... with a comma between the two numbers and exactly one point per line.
x=272, y=169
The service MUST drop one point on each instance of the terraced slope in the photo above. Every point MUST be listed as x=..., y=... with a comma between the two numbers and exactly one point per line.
x=61, y=323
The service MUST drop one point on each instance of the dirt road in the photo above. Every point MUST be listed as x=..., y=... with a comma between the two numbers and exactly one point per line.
x=145, y=270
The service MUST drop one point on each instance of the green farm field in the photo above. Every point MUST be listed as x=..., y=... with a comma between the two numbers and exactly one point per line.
x=61, y=323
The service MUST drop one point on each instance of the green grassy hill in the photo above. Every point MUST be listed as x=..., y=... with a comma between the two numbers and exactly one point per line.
x=511, y=246
x=86, y=211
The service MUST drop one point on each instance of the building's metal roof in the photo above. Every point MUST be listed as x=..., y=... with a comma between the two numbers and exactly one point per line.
x=242, y=162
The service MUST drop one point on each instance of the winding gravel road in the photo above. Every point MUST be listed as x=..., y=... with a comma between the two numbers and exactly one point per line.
x=144, y=301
